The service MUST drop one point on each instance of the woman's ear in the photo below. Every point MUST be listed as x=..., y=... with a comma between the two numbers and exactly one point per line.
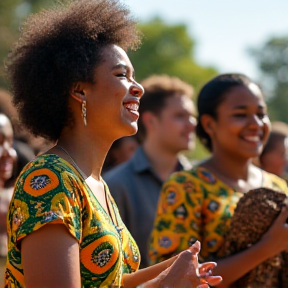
x=208, y=124
x=77, y=92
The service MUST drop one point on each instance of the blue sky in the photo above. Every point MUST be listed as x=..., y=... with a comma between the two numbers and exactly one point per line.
x=223, y=29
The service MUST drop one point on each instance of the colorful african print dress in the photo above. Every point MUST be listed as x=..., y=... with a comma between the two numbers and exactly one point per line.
x=195, y=205
x=49, y=191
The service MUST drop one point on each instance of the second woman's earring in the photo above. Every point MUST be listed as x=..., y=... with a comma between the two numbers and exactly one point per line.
x=84, y=112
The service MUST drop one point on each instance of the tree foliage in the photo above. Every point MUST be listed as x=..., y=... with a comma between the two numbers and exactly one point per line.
x=272, y=60
x=12, y=14
x=168, y=49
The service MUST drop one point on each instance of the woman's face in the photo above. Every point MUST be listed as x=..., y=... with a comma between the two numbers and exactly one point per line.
x=7, y=152
x=113, y=100
x=275, y=160
x=242, y=126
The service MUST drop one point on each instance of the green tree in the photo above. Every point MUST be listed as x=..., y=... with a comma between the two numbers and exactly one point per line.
x=272, y=60
x=12, y=14
x=168, y=49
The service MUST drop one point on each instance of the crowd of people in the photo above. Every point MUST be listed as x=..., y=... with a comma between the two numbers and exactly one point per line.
x=99, y=156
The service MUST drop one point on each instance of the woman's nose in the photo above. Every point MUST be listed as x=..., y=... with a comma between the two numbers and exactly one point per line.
x=192, y=123
x=7, y=150
x=136, y=89
x=255, y=120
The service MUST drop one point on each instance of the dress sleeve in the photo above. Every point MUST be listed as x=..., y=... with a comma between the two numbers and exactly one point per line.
x=45, y=196
x=178, y=218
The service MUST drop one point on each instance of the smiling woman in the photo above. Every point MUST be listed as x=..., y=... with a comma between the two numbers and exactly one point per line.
x=198, y=204
x=7, y=178
x=73, y=84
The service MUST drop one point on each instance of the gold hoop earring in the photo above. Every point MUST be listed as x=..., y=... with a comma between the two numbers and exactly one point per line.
x=84, y=112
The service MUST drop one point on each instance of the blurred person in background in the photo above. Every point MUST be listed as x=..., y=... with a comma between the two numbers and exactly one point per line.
x=121, y=150
x=274, y=156
x=166, y=127
x=198, y=204
x=8, y=174
x=25, y=144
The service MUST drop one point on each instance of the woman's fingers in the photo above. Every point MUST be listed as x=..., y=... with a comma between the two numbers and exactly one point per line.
x=203, y=286
x=179, y=268
x=283, y=215
x=205, y=272
x=206, y=267
x=213, y=280
x=195, y=248
x=184, y=271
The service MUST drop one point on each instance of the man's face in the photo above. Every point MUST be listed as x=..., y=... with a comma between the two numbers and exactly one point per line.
x=176, y=124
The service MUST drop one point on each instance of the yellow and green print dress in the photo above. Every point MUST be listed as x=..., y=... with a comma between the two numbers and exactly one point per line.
x=195, y=205
x=50, y=191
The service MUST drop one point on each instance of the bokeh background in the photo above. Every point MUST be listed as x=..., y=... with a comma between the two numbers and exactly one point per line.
x=194, y=40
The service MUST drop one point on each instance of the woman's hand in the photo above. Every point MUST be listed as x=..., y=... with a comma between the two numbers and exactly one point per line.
x=186, y=272
x=276, y=237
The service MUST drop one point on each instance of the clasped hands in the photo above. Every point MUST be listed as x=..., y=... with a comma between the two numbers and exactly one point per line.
x=186, y=272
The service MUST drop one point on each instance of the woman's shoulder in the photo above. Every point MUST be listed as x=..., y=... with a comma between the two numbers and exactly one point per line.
x=46, y=161
x=44, y=171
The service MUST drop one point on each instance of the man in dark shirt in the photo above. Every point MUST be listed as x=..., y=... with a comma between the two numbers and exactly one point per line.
x=166, y=127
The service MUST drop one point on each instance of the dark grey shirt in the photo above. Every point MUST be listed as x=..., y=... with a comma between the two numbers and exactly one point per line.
x=136, y=187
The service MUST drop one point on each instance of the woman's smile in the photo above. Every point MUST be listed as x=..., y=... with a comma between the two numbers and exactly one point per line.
x=132, y=106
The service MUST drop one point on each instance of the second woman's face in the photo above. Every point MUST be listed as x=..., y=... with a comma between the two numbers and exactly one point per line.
x=113, y=100
x=7, y=152
x=242, y=125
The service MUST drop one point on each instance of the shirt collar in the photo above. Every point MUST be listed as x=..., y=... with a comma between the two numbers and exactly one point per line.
x=141, y=162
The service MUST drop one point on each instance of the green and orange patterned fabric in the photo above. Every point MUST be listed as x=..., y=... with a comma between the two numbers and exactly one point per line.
x=51, y=191
x=195, y=205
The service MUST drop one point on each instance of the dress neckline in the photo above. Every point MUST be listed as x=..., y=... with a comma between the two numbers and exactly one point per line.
x=109, y=203
x=263, y=178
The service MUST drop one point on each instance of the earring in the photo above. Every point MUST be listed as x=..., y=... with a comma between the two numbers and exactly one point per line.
x=84, y=112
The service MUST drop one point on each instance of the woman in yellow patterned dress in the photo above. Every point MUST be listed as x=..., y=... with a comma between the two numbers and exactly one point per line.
x=198, y=204
x=74, y=84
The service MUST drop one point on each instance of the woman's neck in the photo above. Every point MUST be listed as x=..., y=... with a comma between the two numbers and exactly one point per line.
x=241, y=176
x=233, y=169
x=87, y=153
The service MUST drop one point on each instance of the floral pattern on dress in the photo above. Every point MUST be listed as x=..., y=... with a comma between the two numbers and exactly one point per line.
x=50, y=190
x=195, y=205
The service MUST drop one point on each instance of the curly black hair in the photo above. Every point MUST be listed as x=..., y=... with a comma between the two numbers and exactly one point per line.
x=211, y=96
x=59, y=47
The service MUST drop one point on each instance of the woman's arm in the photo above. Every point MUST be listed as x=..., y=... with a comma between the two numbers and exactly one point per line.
x=272, y=243
x=50, y=258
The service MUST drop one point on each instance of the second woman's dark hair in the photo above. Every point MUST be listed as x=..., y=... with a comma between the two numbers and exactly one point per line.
x=211, y=96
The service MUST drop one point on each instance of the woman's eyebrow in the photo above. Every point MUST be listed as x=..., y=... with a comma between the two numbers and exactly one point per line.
x=127, y=68
x=120, y=65
x=240, y=107
x=245, y=107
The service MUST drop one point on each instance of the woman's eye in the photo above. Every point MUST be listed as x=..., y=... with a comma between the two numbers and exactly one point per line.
x=239, y=115
x=121, y=75
x=261, y=116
